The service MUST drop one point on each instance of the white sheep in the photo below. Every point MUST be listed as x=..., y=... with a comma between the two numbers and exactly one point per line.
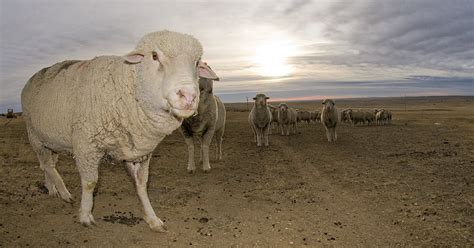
x=330, y=118
x=209, y=123
x=287, y=119
x=260, y=119
x=383, y=117
x=116, y=106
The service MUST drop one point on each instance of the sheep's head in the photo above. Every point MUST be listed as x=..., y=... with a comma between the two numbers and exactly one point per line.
x=168, y=66
x=206, y=85
x=283, y=107
x=328, y=103
x=261, y=100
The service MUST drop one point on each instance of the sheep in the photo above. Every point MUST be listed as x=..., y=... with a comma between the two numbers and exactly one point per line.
x=274, y=111
x=303, y=116
x=345, y=116
x=260, y=119
x=312, y=116
x=318, y=116
x=330, y=118
x=286, y=119
x=382, y=117
x=119, y=106
x=209, y=123
x=356, y=117
x=369, y=117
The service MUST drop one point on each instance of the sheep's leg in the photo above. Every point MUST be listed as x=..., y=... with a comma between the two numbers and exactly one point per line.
x=218, y=138
x=328, y=135
x=48, y=159
x=288, y=127
x=254, y=132
x=139, y=173
x=88, y=165
x=282, y=128
x=259, y=136
x=190, y=143
x=266, y=132
x=219, y=147
x=206, y=141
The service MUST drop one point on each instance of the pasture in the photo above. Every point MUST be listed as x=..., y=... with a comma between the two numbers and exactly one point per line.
x=410, y=183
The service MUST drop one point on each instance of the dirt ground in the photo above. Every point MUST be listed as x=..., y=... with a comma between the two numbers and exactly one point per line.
x=405, y=184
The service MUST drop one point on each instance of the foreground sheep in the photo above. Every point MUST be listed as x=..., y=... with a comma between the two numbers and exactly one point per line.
x=207, y=124
x=330, y=118
x=260, y=119
x=116, y=106
x=286, y=119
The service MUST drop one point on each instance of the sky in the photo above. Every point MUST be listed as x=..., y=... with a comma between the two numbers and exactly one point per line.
x=289, y=50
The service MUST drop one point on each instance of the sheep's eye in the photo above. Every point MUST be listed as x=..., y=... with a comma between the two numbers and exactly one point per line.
x=155, y=56
x=197, y=63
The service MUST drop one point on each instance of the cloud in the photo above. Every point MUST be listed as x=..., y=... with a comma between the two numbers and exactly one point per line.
x=343, y=47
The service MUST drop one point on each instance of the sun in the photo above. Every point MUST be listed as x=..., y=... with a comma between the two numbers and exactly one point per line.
x=271, y=59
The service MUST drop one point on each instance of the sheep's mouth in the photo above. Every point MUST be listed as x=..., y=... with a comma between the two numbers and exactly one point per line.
x=182, y=113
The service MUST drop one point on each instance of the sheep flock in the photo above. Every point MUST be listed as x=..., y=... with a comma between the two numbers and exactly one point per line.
x=122, y=107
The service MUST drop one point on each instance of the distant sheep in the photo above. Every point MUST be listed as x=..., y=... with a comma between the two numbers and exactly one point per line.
x=369, y=117
x=383, y=117
x=356, y=117
x=303, y=116
x=122, y=107
x=345, y=116
x=330, y=118
x=208, y=124
x=260, y=119
x=313, y=116
x=274, y=111
x=286, y=119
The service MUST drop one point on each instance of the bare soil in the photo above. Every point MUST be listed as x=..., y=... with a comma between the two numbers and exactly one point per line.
x=410, y=183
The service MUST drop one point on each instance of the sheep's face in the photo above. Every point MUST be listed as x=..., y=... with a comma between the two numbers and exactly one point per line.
x=261, y=99
x=328, y=104
x=169, y=83
x=283, y=108
x=206, y=85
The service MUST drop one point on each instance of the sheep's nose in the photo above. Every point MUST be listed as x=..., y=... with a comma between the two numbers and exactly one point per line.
x=187, y=97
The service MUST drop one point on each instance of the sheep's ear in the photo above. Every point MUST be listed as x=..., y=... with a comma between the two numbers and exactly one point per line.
x=254, y=98
x=205, y=71
x=267, y=97
x=134, y=57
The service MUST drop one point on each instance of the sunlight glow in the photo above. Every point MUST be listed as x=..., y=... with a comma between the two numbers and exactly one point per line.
x=271, y=59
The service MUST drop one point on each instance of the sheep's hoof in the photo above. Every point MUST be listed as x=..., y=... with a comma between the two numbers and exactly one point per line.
x=52, y=191
x=67, y=197
x=87, y=220
x=160, y=229
x=191, y=171
x=156, y=225
x=206, y=170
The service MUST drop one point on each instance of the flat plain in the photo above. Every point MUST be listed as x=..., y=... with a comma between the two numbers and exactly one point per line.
x=410, y=183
